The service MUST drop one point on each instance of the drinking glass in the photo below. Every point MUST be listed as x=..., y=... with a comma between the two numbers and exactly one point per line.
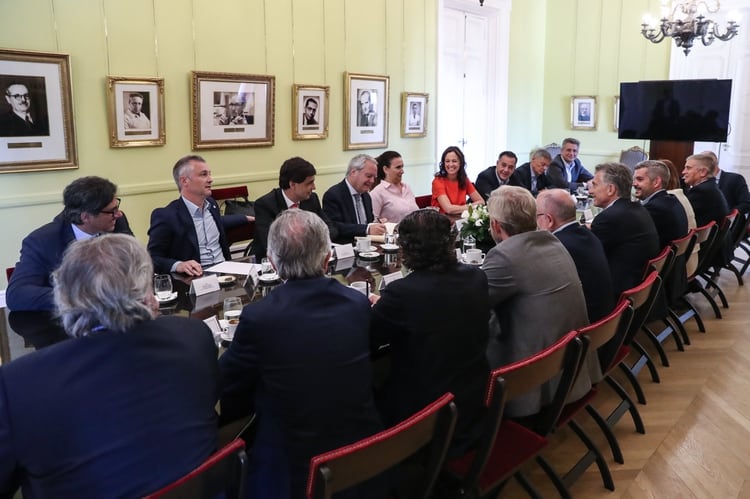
x=389, y=239
x=163, y=286
x=265, y=266
x=469, y=243
x=232, y=307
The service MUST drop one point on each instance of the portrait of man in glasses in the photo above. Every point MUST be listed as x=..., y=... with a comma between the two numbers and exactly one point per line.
x=20, y=116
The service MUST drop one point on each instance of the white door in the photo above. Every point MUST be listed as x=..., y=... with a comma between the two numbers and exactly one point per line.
x=472, y=80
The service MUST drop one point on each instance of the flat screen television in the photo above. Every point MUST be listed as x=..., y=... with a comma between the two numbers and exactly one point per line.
x=679, y=110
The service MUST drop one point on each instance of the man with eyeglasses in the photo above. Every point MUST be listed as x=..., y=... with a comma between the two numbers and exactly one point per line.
x=91, y=209
x=19, y=120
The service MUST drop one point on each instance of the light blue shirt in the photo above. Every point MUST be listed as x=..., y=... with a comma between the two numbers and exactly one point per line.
x=81, y=235
x=207, y=232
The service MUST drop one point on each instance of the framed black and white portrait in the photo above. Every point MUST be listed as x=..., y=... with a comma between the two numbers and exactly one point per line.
x=366, y=111
x=414, y=114
x=583, y=112
x=309, y=112
x=136, y=111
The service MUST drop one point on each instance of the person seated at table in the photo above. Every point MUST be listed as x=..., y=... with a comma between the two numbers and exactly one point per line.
x=348, y=204
x=90, y=208
x=531, y=175
x=392, y=199
x=432, y=353
x=300, y=358
x=534, y=293
x=501, y=173
x=189, y=233
x=126, y=405
x=650, y=179
x=296, y=186
x=451, y=186
x=556, y=212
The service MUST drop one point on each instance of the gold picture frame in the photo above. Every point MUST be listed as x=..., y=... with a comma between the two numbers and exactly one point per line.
x=36, y=85
x=365, y=111
x=583, y=112
x=232, y=110
x=136, y=111
x=414, y=114
x=310, y=112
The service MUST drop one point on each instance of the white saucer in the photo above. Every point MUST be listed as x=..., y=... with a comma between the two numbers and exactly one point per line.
x=226, y=337
x=464, y=260
x=171, y=297
x=389, y=247
x=272, y=277
x=369, y=254
x=226, y=280
x=369, y=250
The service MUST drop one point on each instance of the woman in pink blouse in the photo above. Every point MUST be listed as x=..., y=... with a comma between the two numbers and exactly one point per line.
x=392, y=199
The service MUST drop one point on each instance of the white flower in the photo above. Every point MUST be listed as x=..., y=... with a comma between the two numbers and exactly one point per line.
x=479, y=223
x=465, y=214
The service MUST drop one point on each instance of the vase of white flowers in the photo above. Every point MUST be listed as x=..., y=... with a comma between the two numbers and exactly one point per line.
x=476, y=223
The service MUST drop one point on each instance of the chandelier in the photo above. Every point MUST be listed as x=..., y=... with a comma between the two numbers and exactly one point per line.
x=686, y=22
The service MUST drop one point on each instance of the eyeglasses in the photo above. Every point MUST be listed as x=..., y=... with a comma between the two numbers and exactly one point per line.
x=19, y=96
x=114, y=211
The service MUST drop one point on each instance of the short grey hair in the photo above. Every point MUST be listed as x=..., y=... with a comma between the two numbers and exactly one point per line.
x=298, y=242
x=655, y=169
x=180, y=168
x=104, y=282
x=358, y=162
x=540, y=153
x=707, y=161
x=514, y=207
x=617, y=175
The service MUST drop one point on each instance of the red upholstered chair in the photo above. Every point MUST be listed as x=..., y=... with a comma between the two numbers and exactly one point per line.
x=9, y=272
x=244, y=232
x=717, y=258
x=676, y=282
x=424, y=201
x=430, y=429
x=223, y=472
x=704, y=237
x=506, y=445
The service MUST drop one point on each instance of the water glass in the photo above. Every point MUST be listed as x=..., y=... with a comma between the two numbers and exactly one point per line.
x=469, y=243
x=232, y=307
x=266, y=267
x=389, y=239
x=163, y=286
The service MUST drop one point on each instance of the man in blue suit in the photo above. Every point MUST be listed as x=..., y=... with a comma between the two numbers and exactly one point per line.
x=566, y=171
x=90, y=208
x=666, y=211
x=189, y=233
x=501, y=173
x=531, y=175
x=301, y=359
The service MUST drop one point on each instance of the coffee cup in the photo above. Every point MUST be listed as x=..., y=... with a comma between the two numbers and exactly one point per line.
x=360, y=286
x=474, y=256
x=363, y=244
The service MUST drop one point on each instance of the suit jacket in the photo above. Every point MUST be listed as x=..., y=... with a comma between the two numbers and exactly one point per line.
x=30, y=286
x=669, y=217
x=708, y=203
x=12, y=125
x=172, y=236
x=301, y=356
x=628, y=236
x=592, y=268
x=734, y=188
x=268, y=207
x=522, y=177
x=110, y=414
x=536, y=298
x=432, y=353
x=558, y=177
x=487, y=182
x=338, y=205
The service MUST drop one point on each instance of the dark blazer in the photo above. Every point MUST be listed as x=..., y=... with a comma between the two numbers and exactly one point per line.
x=593, y=270
x=12, y=125
x=338, y=205
x=669, y=217
x=708, y=203
x=110, y=414
x=268, y=207
x=172, y=236
x=734, y=188
x=301, y=357
x=431, y=352
x=30, y=286
x=558, y=178
x=629, y=238
x=522, y=177
x=487, y=182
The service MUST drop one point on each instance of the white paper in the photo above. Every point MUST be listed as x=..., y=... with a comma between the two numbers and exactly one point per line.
x=343, y=251
x=389, y=278
x=213, y=324
x=2, y=299
x=239, y=268
x=207, y=300
x=588, y=214
x=205, y=285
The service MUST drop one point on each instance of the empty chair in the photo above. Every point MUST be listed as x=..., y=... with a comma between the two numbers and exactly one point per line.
x=423, y=201
x=223, y=472
x=430, y=429
x=245, y=232
x=633, y=156
x=738, y=232
x=553, y=149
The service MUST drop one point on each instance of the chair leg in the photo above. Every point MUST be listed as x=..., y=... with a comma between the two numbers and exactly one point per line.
x=675, y=321
x=670, y=329
x=711, y=283
x=730, y=267
x=614, y=445
x=649, y=362
x=530, y=489
x=639, y=395
x=561, y=487
x=711, y=300
x=657, y=344
x=627, y=403
x=600, y=461
x=692, y=312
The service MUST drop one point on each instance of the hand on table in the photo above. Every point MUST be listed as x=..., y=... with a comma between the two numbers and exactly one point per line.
x=190, y=267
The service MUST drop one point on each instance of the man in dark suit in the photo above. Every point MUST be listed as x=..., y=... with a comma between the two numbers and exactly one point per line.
x=300, y=358
x=296, y=186
x=21, y=120
x=704, y=195
x=566, y=171
x=625, y=229
x=556, y=212
x=348, y=204
x=188, y=234
x=531, y=175
x=670, y=219
x=90, y=208
x=499, y=174
x=734, y=188
x=126, y=405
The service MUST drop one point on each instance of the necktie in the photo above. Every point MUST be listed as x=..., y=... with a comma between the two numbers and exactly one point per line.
x=533, y=183
x=28, y=119
x=361, y=218
x=295, y=205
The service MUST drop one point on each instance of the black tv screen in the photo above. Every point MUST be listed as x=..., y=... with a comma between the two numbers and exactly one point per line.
x=679, y=110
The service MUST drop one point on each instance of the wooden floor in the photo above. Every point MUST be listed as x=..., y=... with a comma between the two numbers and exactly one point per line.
x=697, y=441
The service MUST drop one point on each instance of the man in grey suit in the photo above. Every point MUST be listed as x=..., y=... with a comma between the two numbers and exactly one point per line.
x=535, y=293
